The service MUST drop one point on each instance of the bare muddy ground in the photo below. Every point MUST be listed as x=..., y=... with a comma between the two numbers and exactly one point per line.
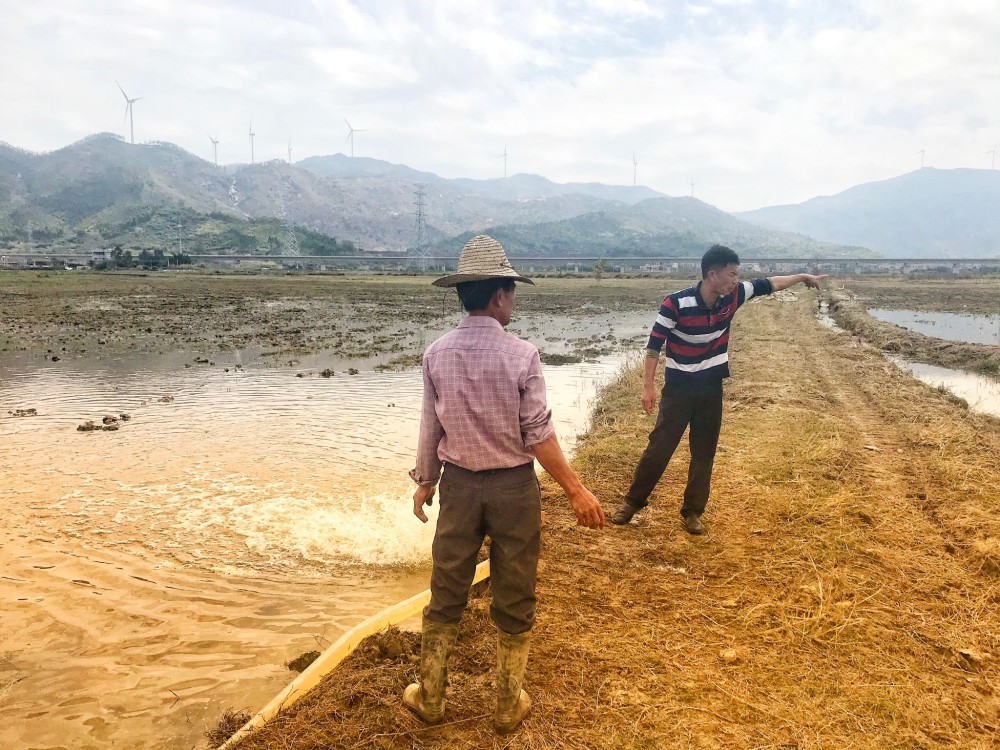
x=281, y=319
x=977, y=296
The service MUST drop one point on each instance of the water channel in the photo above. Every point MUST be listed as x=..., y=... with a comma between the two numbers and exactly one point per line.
x=155, y=575
x=980, y=392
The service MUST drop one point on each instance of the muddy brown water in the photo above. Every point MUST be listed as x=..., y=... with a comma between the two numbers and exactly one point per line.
x=155, y=575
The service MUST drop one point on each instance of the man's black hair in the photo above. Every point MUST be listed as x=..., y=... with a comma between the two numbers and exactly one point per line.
x=476, y=295
x=718, y=256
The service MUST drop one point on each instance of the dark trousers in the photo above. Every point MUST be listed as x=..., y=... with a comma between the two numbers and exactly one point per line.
x=700, y=406
x=504, y=504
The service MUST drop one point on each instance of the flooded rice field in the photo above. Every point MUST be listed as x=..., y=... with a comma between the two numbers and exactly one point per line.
x=240, y=510
x=971, y=329
x=949, y=337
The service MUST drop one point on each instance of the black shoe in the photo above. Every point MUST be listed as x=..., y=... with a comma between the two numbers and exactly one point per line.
x=692, y=523
x=624, y=514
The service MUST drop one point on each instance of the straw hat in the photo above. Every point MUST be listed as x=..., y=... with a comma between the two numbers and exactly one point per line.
x=482, y=258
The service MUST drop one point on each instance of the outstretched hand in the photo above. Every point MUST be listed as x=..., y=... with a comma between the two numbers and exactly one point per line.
x=423, y=496
x=812, y=281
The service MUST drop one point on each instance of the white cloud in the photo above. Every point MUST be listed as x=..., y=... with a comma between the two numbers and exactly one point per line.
x=758, y=102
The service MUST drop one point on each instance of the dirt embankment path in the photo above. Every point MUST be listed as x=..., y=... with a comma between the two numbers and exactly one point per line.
x=846, y=595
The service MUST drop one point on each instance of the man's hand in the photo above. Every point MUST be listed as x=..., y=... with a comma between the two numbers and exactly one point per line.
x=648, y=398
x=423, y=496
x=783, y=282
x=588, y=511
x=811, y=280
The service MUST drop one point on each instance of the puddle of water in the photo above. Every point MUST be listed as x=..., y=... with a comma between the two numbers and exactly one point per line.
x=981, y=393
x=163, y=572
x=970, y=329
x=825, y=318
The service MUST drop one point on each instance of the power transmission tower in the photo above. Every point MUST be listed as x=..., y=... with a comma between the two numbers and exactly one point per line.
x=420, y=248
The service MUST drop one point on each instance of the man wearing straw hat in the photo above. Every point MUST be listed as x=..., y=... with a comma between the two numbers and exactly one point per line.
x=485, y=421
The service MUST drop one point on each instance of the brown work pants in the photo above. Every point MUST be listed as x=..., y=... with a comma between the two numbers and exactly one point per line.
x=505, y=505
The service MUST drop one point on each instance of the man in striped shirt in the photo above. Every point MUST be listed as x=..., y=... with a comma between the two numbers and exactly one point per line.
x=693, y=328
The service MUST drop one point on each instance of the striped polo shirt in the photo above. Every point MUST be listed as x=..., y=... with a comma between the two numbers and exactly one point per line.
x=696, y=336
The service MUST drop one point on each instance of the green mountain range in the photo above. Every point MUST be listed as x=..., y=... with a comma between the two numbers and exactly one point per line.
x=101, y=192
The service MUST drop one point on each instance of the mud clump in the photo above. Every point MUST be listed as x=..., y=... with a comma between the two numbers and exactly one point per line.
x=90, y=426
x=299, y=663
x=24, y=413
x=559, y=359
x=327, y=373
x=165, y=399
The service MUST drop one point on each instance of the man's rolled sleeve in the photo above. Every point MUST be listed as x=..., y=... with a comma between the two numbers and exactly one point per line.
x=535, y=415
x=428, y=468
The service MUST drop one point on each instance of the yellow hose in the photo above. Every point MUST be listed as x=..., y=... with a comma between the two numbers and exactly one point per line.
x=330, y=658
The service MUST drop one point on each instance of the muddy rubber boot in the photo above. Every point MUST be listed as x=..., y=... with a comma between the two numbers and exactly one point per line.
x=426, y=698
x=513, y=704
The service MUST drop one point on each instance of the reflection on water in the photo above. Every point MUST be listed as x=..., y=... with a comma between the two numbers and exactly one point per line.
x=980, y=392
x=155, y=575
x=972, y=329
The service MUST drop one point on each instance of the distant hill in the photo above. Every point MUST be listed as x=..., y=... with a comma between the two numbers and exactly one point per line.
x=102, y=192
x=928, y=213
x=102, y=189
x=657, y=227
x=518, y=187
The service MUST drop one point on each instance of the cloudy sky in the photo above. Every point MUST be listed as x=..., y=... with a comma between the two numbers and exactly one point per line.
x=757, y=102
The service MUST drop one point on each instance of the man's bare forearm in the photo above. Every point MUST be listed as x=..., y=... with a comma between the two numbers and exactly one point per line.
x=783, y=282
x=649, y=373
x=553, y=460
x=586, y=507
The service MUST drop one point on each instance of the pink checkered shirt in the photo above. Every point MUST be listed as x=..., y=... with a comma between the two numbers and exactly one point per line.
x=484, y=401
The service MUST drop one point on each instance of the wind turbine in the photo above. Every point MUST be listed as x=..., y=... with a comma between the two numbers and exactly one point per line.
x=215, y=147
x=289, y=150
x=635, y=168
x=252, y=134
x=921, y=152
x=993, y=151
x=128, y=110
x=504, y=157
x=350, y=135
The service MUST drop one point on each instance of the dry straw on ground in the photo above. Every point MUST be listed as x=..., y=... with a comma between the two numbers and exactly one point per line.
x=846, y=595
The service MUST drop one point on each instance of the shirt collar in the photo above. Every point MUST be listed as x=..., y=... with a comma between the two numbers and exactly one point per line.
x=480, y=321
x=719, y=303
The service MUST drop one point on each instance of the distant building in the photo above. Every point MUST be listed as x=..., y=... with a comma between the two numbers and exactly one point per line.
x=100, y=256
